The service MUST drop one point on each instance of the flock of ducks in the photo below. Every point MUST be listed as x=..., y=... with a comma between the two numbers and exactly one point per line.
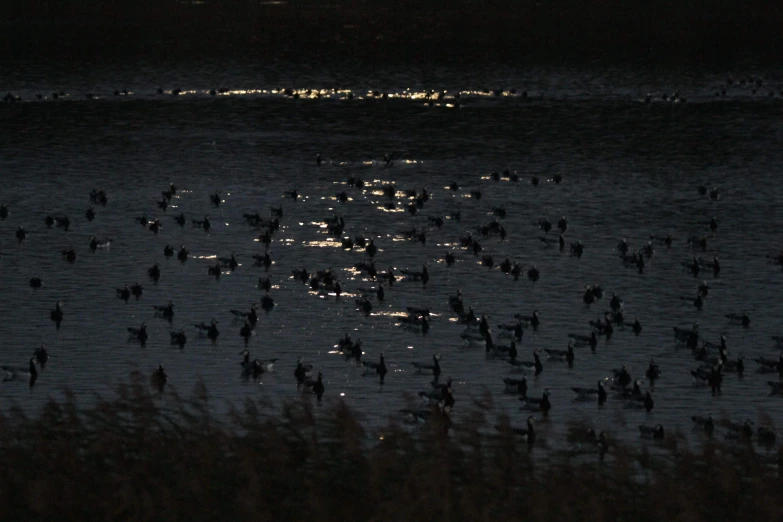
x=500, y=341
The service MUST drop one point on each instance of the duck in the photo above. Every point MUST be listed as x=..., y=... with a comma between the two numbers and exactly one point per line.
x=637, y=327
x=433, y=368
x=302, y=371
x=528, y=433
x=21, y=234
x=267, y=303
x=541, y=405
x=518, y=386
x=154, y=225
x=586, y=393
x=706, y=423
x=69, y=254
x=533, y=273
x=166, y=311
x=16, y=373
x=743, y=319
x=378, y=368
x=504, y=352
x=533, y=320
x=179, y=338
x=652, y=432
x=215, y=270
x=621, y=377
x=182, y=254
x=246, y=331
x=124, y=293
x=139, y=334
x=567, y=354
x=535, y=363
x=211, y=329
x=57, y=313
x=585, y=340
x=159, y=378
x=653, y=372
x=250, y=368
x=154, y=272
x=765, y=436
x=41, y=356
x=204, y=223
x=90, y=214
x=95, y=243
x=36, y=282
x=215, y=198
x=251, y=316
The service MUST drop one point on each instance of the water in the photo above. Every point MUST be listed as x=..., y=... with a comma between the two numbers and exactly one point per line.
x=629, y=170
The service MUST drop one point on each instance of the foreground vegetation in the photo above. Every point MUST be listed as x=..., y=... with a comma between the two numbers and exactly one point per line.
x=140, y=456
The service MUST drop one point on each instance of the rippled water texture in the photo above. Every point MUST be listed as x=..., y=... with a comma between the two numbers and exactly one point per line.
x=629, y=169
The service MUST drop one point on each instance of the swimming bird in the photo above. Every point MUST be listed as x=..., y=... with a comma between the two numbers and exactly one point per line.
x=378, y=368
x=90, y=214
x=179, y=338
x=765, y=436
x=302, y=371
x=41, y=356
x=205, y=223
x=433, y=368
x=705, y=422
x=159, y=378
x=139, y=334
x=166, y=311
x=251, y=316
x=35, y=282
x=267, y=303
x=124, y=293
x=541, y=405
x=529, y=433
x=95, y=243
x=652, y=432
x=154, y=272
x=215, y=270
x=621, y=377
x=518, y=386
x=535, y=363
x=182, y=255
x=3, y=212
x=215, y=198
x=533, y=320
x=57, y=313
x=567, y=355
x=211, y=329
x=637, y=327
x=653, y=372
x=743, y=319
x=586, y=393
x=585, y=340
x=16, y=373
x=69, y=254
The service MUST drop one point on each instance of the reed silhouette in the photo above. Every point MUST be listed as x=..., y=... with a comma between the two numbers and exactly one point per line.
x=140, y=455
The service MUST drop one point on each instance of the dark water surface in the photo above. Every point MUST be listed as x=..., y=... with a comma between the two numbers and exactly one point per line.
x=630, y=170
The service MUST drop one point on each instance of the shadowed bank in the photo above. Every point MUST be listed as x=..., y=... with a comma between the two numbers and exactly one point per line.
x=140, y=456
x=426, y=31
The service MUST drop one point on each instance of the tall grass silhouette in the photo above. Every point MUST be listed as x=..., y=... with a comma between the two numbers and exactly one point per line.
x=140, y=455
